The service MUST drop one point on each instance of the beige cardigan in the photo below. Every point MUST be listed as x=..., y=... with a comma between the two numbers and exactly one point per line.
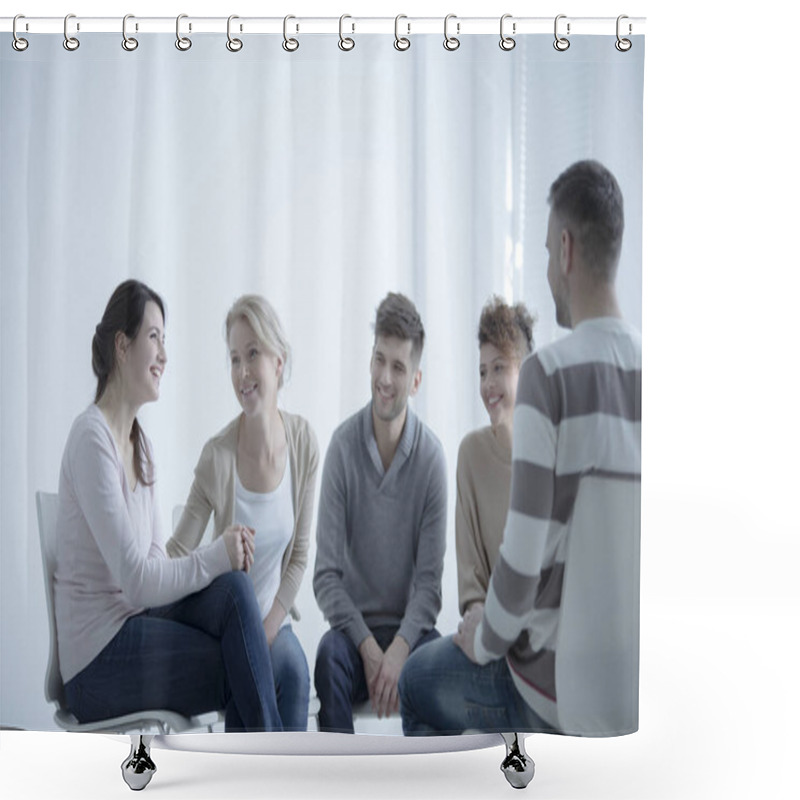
x=214, y=490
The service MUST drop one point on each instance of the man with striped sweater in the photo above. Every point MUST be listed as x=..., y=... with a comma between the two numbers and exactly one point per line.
x=556, y=647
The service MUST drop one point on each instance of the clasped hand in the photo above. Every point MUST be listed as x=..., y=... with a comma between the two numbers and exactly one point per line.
x=382, y=672
x=241, y=547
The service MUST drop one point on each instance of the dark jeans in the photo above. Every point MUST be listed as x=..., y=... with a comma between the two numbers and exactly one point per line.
x=443, y=692
x=292, y=683
x=339, y=676
x=203, y=653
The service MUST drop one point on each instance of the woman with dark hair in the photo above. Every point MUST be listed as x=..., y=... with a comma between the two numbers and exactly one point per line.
x=483, y=474
x=137, y=630
x=260, y=471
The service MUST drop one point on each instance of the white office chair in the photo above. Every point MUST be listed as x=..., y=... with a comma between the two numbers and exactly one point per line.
x=141, y=722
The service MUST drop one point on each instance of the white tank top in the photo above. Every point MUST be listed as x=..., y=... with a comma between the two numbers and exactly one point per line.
x=271, y=516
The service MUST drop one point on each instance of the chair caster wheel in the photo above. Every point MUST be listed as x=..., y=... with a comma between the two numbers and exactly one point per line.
x=138, y=768
x=517, y=766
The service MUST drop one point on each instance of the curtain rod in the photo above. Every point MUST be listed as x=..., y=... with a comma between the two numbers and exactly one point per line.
x=566, y=25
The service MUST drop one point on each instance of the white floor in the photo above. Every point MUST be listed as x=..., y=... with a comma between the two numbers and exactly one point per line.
x=718, y=719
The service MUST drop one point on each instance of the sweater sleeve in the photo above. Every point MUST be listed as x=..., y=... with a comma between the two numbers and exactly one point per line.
x=189, y=532
x=298, y=560
x=515, y=580
x=473, y=566
x=425, y=601
x=135, y=559
x=332, y=597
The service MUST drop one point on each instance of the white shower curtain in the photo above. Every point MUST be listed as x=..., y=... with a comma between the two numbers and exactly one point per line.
x=321, y=179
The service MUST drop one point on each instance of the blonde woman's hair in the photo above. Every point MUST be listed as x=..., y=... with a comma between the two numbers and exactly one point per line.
x=262, y=318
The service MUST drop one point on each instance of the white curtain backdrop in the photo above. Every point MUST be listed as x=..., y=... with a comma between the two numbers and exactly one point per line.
x=320, y=179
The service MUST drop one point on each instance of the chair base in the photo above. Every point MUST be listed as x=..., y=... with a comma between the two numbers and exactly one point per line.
x=159, y=721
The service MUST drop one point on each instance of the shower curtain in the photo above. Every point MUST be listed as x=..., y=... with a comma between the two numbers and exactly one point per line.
x=320, y=178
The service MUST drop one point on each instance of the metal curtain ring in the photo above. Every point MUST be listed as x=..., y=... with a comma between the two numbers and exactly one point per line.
x=289, y=45
x=401, y=42
x=234, y=45
x=506, y=42
x=345, y=43
x=128, y=42
x=18, y=43
x=561, y=43
x=451, y=42
x=182, y=42
x=623, y=45
x=70, y=42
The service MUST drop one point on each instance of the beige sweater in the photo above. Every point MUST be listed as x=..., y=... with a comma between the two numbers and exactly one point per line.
x=214, y=490
x=483, y=485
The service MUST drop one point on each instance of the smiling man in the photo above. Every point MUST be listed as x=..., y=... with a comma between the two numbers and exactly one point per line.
x=380, y=531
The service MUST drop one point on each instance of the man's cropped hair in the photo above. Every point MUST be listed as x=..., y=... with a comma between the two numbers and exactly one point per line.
x=587, y=200
x=397, y=316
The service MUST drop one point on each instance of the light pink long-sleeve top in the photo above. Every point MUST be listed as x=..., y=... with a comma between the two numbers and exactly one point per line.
x=110, y=558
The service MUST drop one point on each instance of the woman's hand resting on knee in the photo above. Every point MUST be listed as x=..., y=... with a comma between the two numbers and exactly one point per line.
x=240, y=543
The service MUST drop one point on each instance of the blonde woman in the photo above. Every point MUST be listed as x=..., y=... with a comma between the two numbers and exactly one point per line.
x=260, y=472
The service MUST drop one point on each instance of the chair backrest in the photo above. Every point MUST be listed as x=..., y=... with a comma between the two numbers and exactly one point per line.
x=47, y=511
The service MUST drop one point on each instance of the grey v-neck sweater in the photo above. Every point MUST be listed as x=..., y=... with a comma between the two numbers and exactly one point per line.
x=381, y=535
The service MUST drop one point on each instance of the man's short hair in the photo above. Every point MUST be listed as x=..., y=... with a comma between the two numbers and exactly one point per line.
x=397, y=316
x=587, y=200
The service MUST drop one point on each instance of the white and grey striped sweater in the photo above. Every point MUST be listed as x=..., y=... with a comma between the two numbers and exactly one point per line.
x=575, y=493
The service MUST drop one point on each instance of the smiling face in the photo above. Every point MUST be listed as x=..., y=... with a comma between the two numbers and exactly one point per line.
x=255, y=371
x=499, y=376
x=142, y=360
x=394, y=376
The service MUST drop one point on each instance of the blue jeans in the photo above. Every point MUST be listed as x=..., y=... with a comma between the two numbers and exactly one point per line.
x=292, y=684
x=203, y=653
x=339, y=676
x=443, y=692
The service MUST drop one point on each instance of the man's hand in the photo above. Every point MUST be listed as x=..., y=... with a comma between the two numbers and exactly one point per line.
x=465, y=638
x=371, y=657
x=385, y=699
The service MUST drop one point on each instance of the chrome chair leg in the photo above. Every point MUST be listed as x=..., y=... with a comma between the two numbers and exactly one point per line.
x=138, y=768
x=517, y=766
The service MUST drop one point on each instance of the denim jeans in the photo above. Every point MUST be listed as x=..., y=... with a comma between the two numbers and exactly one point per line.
x=292, y=684
x=443, y=692
x=203, y=653
x=339, y=676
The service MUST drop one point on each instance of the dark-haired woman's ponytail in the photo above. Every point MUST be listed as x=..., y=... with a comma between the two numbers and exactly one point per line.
x=102, y=359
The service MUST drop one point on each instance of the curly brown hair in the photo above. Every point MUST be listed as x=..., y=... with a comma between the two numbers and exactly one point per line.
x=508, y=328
